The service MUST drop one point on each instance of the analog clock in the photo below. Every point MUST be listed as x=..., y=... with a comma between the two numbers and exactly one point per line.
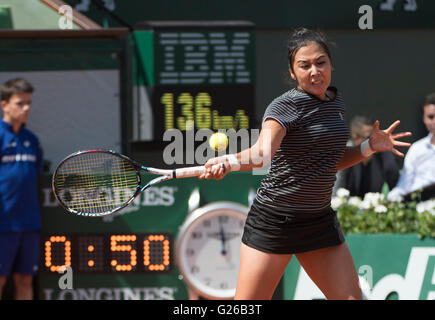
x=208, y=249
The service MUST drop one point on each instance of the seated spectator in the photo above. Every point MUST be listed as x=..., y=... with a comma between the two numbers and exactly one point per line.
x=419, y=164
x=372, y=173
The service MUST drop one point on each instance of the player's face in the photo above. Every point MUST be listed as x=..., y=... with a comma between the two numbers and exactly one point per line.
x=16, y=110
x=429, y=117
x=312, y=69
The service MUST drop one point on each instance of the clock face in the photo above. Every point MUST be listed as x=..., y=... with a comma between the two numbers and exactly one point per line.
x=209, y=252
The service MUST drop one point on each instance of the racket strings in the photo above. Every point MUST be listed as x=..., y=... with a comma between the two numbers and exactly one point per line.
x=95, y=183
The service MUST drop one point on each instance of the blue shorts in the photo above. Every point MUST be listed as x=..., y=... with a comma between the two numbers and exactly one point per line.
x=19, y=252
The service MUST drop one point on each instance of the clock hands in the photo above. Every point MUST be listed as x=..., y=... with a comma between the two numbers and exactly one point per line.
x=222, y=234
x=228, y=235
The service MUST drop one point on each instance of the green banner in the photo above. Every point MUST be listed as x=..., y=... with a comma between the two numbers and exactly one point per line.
x=95, y=247
x=389, y=267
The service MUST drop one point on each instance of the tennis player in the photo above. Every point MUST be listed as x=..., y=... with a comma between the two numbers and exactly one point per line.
x=304, y=136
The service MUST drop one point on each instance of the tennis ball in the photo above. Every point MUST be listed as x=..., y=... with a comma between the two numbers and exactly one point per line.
x=218, y=141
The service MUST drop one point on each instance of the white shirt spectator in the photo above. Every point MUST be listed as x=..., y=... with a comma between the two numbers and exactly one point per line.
x=418, y=169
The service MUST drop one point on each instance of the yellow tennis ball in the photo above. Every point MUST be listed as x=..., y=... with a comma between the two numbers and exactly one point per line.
x=218, y=141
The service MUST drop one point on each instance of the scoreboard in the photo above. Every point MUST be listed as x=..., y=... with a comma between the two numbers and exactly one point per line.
x=131, y=254
x=193, y=76
x=105, y=253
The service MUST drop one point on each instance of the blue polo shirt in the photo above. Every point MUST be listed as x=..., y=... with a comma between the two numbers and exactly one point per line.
x=20, y=166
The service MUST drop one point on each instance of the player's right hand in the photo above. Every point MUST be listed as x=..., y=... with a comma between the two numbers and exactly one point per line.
x=216, y=168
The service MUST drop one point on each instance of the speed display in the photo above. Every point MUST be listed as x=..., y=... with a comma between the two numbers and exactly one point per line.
x=203, y=107
x=202, y=76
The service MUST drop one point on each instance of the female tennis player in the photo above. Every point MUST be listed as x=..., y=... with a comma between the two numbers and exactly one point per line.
x=304, y=136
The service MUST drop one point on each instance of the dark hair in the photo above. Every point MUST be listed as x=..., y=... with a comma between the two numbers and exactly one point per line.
x=14, y=86
x=429, y=99
x=301, y=37
x=359, y=121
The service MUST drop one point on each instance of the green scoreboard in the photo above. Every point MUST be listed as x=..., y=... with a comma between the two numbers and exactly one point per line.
x=193, y=76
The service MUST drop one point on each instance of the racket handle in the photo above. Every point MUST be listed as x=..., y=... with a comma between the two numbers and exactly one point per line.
x=191, y=171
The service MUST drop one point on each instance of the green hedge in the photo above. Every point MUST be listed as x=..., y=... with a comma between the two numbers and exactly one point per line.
x=374, y=214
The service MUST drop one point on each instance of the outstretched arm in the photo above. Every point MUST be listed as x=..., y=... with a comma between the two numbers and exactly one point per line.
x=380, y=140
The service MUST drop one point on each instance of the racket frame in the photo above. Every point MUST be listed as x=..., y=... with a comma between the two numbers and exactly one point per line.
x=138, y=190
x=163, y=176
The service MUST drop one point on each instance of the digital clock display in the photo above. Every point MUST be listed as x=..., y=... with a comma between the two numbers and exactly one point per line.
x=108, y=253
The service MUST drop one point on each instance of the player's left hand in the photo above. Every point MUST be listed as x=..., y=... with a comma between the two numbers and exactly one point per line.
x=385, y=140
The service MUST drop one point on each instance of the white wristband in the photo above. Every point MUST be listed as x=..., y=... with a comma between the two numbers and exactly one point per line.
x=232, y=159
x=366, y=150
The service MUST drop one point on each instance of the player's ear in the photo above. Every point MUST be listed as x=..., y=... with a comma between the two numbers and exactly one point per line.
x=292, y=75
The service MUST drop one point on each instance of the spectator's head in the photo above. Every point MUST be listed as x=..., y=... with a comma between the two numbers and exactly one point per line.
x=16, y=99
x=361, y=128
x=428, y=110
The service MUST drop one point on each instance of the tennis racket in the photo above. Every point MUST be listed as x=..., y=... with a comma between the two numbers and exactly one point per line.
x=95, y=183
